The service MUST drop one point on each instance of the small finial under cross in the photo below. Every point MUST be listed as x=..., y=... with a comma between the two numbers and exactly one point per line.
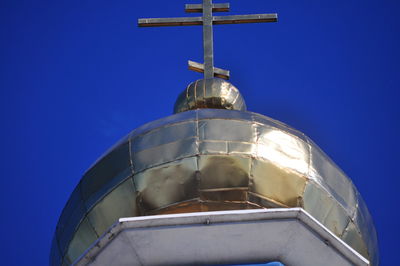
x=207, y=20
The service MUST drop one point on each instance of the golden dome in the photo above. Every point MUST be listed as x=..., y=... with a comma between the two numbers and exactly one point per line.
x=209, y=160
x=210, y=93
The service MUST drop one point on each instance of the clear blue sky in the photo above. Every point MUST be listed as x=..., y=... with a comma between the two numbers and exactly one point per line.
x=76, y=76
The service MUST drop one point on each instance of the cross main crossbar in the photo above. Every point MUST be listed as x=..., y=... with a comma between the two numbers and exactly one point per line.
x=217, y=20
x=159, y=22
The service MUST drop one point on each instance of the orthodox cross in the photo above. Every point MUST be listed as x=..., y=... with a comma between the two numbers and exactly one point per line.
x=207, y=20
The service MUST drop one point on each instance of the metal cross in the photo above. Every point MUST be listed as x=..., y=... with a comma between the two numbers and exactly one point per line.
x=207, y=20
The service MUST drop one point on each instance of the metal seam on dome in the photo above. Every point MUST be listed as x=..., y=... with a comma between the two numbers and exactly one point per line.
x=198, y=152
x=197, y=132
x=269, y=199
x=164, y=126
x=195, y=92
x=360, y=233
x=332, y=197
x=204, y=88
x=346, y=227
x=187, y=94
x=76, y=228
x=357, y=206
x=130, y=156
x=309, y=163
x=237, y=96
x=109, y=191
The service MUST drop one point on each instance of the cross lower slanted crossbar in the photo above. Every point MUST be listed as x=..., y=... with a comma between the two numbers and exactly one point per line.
x=218, y=72
x=207, y=21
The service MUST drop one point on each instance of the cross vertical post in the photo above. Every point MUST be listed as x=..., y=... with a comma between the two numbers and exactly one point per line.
x=208, y=45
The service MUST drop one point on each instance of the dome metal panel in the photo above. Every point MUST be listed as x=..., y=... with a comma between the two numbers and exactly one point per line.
x=208, y=160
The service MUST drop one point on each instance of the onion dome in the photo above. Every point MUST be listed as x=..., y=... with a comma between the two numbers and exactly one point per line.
x=212, y=159
x=210, y=93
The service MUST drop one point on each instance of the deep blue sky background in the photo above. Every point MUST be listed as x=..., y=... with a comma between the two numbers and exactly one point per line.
x=76, y=76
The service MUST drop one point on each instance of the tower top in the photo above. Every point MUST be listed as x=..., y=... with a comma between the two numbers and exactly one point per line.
x=207, y=20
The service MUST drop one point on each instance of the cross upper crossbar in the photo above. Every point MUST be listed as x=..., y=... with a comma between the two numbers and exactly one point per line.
x=207, y=21
x=198, y=8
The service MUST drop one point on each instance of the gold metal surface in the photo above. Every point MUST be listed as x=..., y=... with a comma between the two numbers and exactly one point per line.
x=210, y=93
x=325, y=208
x=121, y=202
x=278, y=184
x=168, y=184
x=283, y=150
x=353, y=238
x=83, y=238
x=223, y=172
x=208, y=160
x=164, y=153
